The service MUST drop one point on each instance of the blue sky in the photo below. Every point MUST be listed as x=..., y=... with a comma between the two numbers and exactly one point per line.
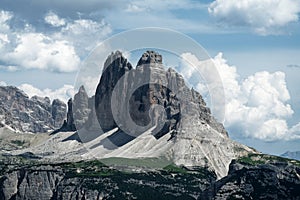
x=42, y=44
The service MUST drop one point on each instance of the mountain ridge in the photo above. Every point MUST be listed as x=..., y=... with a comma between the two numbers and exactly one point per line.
x=292, y=155
x=186, y=155
x=24, y=114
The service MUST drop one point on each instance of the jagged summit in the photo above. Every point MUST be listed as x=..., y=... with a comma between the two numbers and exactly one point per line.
x=150, y=57
x=182, y=124
x=118, y=60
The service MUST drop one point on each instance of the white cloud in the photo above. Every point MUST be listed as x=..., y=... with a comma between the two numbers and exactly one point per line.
x=63, y=93
x=134, y=8
x=52, y=19
x=9, y=68
x=37, y=51
x=257, y=106
x=2, y=83
x=137, y=6
x=60, y=50
x=5, y=17
x=90, y=83
x=4, y=38
x=262, y=15
x=84, y=34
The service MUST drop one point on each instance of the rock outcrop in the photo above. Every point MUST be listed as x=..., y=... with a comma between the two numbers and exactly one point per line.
x=114, y=68
x=25, y=114
x=68, y=124
x=81, y=108
x=93, y=180
x=58, y=112
x=258, y=180
x=81, y=113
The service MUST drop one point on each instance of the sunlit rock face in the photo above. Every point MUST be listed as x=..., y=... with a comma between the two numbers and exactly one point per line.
x=24, y=114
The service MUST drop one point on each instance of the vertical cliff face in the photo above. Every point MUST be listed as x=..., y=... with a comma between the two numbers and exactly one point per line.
x=81, y=108
x=58, y=112
x=273, y=179
x=114, y=68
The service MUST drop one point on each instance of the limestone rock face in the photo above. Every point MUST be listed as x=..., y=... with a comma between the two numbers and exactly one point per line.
x=25, y=114
x=139, y=90
x=68, y=124
x=58, y=112
x=114, y=68
x=277, y=180
x=150, y=57
x=80, y=108
x=90, y=180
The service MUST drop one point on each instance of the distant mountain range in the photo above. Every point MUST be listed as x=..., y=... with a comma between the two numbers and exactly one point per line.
x=292, y=155
x=34, y=115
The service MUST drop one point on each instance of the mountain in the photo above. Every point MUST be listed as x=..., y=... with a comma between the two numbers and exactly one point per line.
x=157, y=109
x=143, y=135
x=24, y=114
x=292, y=155
x=143, y=112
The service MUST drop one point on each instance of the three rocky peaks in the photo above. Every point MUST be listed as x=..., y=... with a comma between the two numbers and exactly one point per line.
x=145, y=111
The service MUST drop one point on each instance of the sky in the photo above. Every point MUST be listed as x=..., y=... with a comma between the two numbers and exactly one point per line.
x=254, y=44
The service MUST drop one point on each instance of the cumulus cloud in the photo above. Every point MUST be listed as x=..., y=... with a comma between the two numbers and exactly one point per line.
x=5, y=17
x=255, y=107
x=53, y=19
x=59, y=50
x=37, y=51
x=63, y=93
x=263, y=15
x=84, y=34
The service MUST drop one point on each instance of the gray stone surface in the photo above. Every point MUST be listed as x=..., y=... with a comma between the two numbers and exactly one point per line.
x=139, y=90
x=80, y=108
x=276, y=180
x=58, y=112
x=114, y=68
x=25, y=114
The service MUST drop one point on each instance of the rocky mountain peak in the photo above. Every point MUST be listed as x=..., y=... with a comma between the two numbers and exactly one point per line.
x=24, y=114
x=118, y=60
x=142, y=112
x=150, y=57
x=152, y=98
